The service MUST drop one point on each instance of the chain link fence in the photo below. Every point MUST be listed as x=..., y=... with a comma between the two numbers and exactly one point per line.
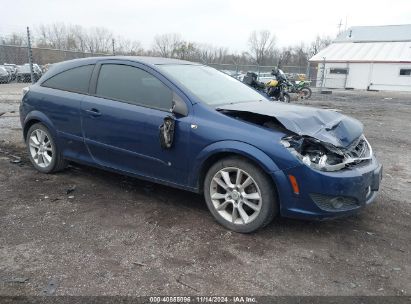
x=20, y=62
x=23, y=63
x=307, y=72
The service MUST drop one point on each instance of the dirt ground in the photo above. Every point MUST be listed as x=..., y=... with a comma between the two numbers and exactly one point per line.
x=89, y=232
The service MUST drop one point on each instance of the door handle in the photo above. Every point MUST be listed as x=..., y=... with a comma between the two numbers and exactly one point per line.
x=93, y=112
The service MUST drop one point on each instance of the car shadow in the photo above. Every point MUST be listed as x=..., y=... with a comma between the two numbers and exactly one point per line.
x=180, y=199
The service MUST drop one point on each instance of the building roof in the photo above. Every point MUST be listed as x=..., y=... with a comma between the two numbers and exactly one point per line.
x=383, y=33
x=387, y=43
x=365, y=52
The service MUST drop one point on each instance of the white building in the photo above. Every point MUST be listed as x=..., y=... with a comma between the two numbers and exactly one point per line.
x=367, y=57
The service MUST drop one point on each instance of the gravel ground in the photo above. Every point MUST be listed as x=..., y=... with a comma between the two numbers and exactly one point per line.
x=90, y=232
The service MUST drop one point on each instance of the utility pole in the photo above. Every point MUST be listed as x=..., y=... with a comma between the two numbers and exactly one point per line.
x=323, y=76
x=30, y=55
x=339, y=26
x=114, y=49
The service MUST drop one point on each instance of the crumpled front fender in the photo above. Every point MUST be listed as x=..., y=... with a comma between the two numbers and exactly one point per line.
x=235, y=147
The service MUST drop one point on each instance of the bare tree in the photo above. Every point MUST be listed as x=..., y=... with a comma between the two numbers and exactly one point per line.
x=80, y=35
x=128, y=47
x=14, y=39
x=262, y=48
x=167, y=44
x=318, y=44
x=261, y=45
x=77, y=38
x=285, y=56
x=99, y=40
x=300, y=55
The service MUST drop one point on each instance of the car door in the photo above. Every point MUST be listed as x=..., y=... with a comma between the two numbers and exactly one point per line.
x=121, y=121
x=60, y=101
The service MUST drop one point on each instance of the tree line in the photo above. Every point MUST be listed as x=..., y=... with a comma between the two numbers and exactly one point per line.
x=262, y=47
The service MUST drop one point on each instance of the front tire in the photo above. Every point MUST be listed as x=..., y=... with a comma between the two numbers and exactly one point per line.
x=43, y=151
x=239, y=195
x=286, y=98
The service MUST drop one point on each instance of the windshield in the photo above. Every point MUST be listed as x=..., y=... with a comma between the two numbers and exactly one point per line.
x=211, y=86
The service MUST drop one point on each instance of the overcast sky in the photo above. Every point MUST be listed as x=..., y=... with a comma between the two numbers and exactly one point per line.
x=217, y=22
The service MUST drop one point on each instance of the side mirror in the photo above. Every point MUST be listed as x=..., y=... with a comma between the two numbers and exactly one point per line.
x=179, y=106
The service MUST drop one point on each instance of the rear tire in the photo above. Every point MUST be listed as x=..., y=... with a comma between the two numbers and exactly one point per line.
x=43, y=151
x=306, y=92
x=249, y=201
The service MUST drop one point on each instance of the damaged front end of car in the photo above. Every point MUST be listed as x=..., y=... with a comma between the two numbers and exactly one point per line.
x=321, y=139
x=326, y=163
x=325, y=156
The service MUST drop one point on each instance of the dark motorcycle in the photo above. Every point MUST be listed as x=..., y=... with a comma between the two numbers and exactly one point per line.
x=275, y=89
x=251, y=79
x=278, y=88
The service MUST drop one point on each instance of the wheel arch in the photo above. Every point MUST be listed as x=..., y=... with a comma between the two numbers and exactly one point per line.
x=217, y=151
x=37, y=117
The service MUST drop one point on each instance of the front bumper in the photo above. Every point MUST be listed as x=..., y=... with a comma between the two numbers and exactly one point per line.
x=328, y=194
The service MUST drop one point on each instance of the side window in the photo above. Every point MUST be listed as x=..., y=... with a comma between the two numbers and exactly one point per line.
x=338, y=71
x=405, y=72
x=132, y=85
x=73, y=80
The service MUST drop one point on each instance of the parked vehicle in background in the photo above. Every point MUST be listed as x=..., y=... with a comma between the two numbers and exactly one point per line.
x=192, y=127
x=229, y=72
x=264, y=77
x=24, y=74
x=273, y=89
x=12, y=69
x=251, y=79
x=302, y=88
x=277, y=88
x=46, y=67
x=37, y=71
x=240, y=76
x=4, y=75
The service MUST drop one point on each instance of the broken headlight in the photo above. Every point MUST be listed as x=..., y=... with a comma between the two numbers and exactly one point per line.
x=324, y=156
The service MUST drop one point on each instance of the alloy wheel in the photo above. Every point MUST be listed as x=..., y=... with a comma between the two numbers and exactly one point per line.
x=41, y=148
x=235, y=195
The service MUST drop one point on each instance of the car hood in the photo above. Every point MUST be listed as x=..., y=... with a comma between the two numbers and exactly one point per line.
x=325, y=125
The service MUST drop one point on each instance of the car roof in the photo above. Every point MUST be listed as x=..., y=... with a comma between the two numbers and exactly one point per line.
x=149, y=61
x=139, y=59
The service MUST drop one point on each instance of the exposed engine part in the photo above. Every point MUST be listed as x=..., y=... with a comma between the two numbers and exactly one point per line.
x=167, y=132
x=326, y=157
x=313, y=152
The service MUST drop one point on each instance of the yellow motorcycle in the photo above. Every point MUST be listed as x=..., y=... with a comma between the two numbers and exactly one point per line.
x=274, y=89
x=278, y=87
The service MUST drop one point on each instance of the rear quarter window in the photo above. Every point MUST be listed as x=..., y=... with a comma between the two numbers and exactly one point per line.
x=74, y=80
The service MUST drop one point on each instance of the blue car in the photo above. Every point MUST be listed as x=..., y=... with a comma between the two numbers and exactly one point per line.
x=192, y=127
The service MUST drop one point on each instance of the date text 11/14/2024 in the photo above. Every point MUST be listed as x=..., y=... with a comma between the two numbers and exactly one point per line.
x=202, y=299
